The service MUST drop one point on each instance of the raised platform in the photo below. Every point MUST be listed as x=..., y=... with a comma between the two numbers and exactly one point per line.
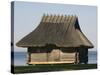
x=51, y=62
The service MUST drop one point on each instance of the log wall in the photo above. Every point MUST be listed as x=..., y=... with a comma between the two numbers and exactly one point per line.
x=55, y=55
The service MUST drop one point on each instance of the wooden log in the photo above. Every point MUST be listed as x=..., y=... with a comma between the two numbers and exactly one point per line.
x=50, y=62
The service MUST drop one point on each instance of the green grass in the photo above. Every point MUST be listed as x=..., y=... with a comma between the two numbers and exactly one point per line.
x=53, y=67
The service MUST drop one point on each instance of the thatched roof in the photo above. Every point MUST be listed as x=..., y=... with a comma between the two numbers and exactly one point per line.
x=60, y=30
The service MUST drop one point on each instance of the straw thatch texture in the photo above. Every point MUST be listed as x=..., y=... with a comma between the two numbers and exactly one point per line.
x=62, y=31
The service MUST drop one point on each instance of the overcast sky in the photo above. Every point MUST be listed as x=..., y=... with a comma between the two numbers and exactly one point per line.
x=27, y=16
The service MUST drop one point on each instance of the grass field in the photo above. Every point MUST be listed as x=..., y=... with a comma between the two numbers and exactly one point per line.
x=53, y=67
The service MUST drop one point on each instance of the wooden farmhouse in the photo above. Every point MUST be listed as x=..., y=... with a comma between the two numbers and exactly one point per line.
x=57, y=39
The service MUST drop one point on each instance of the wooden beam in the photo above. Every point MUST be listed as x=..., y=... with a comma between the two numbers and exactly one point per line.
x=50, y=62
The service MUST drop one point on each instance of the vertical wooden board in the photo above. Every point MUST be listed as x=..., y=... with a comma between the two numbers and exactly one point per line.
x=62, y=17
x=51, y=17
x=54, y=20
x=48, y=19
x=58, y=20
x=43, y=18
x=83, y=55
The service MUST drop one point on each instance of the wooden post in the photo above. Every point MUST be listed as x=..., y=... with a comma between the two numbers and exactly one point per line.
x=77, y=57
x=28, y=56
x=47, y=56
x=59, y=54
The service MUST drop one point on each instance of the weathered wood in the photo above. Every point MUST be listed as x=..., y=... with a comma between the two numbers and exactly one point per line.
x=83, y=55
x=77, y=57
x=39, y=57
x=51, y=62
x=54, y=55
